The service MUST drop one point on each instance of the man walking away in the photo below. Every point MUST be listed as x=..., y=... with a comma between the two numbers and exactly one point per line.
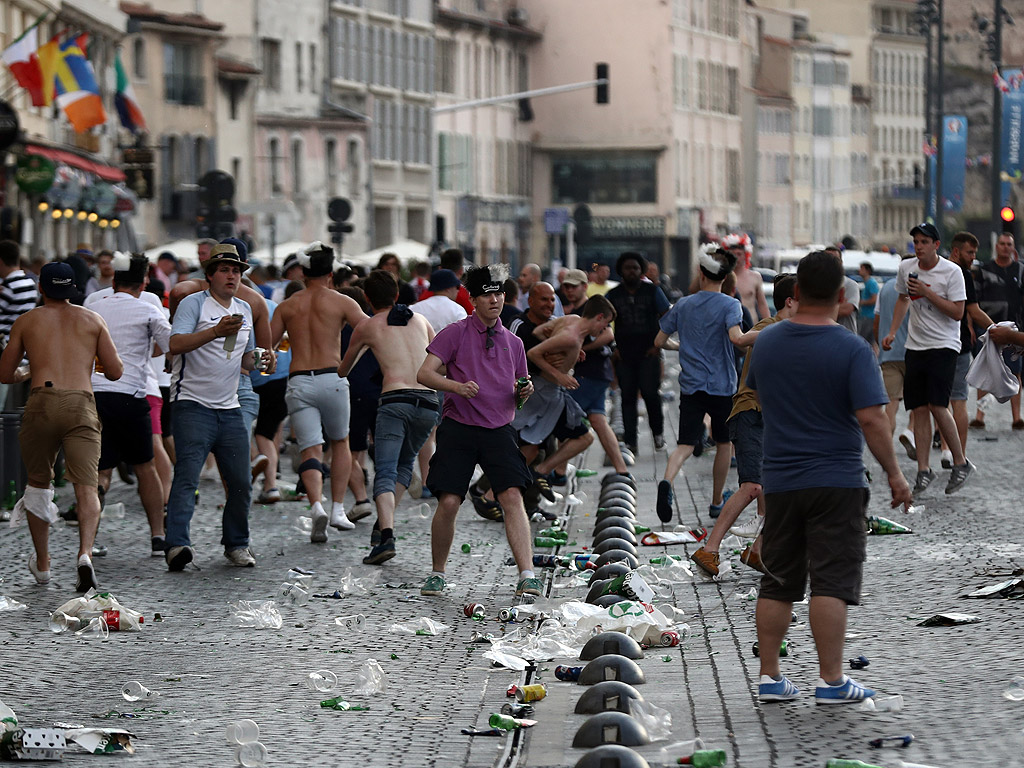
x=61, y=341
x=821, y=396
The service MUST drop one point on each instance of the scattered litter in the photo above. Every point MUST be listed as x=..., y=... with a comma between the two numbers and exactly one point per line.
x=509, y=723
x=355, y=623
x=656, y=538
x=10, y=604
x=251, y=755
x=892, y=741
x=421, y=626
x=295, y=593
x=358, y=586
x=8, y=720
x=101, y=741
x=94, y=614
x=33, y=744
x=948, y=620
x=883, y=525
x=488, y=732
x=656, y=720
x=1012, y=589
x=323, y=680
x=671, y=754
x=257, y=614
x=133, y=690
x=859, y=663
x=1015, y=692
x=340, y=705
x=371, y=679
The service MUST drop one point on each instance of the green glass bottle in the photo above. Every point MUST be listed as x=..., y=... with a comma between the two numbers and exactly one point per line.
x=504, y=722
x=838, y=762
x=707, y=758
x=11, y=498
x=547, y=542
x=883, y=525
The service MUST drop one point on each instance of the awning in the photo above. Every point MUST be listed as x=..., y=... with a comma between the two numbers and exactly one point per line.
x=105, y=172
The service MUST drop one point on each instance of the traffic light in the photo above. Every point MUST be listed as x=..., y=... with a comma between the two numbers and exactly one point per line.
x=1009, y=217
x=338, y=211
x=216, y=215
x=602, y=88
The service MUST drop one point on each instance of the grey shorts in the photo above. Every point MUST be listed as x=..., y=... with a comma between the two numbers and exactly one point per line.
x=963, y=364
x=316, y=400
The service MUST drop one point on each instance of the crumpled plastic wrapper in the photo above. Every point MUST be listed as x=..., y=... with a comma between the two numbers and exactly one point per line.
x=420, y=626
x=257, y=614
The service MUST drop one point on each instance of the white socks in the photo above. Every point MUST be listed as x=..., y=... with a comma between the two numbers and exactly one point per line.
x=339, y=519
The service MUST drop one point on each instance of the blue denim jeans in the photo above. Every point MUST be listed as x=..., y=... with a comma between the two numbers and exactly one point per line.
x=401, y=430
x=198, y=431
x=249, y=402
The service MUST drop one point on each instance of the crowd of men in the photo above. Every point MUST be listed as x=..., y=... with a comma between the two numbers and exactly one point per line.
x=162, y=369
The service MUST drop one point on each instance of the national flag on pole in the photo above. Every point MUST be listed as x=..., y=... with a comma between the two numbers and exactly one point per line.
x=75, y=85
x=22, y=59
x=1000, y=83
x=125, y=101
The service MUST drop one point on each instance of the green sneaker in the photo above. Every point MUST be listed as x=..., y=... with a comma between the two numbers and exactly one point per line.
x=434, y=585
x=530, y=586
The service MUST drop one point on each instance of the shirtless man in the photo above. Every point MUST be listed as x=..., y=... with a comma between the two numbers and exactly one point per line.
x=749, y=284
x=317, y=396
x=407, y=412
x=61, y=342
x=247, y=399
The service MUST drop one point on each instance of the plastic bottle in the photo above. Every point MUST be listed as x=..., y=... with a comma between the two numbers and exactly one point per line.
x=116, y=621
x=8, y=719
x=705, y=758
x=504, y=722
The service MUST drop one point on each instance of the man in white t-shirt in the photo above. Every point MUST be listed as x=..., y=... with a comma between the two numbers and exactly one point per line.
x=212, y=341
x=932, y=289
x=440, y=308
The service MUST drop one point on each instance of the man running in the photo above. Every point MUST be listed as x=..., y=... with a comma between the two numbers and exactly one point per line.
x=407, y=411
x=317, y=397
x=61, y=342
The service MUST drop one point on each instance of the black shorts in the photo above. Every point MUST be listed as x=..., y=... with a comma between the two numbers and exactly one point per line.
x=746, y=430
x=461, y=447
x=273, y=408
x=362, y=422
x=929, y=377
x=816, y=531
x=165, y=412
x=127, y=430
x=691, y=417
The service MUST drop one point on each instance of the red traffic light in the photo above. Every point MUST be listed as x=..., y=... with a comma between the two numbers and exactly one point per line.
x=1007, y=214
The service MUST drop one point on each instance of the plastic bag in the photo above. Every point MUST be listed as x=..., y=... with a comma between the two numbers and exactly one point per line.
x=358, y=586
x=420, y=626
x=656, y=720
x=257, y=614
x=371, y=679
x=990, y=373
x=10, y=604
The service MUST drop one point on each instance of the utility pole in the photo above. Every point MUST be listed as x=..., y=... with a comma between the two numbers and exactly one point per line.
x=926, y=28
x=996, y=165
x=940, y=207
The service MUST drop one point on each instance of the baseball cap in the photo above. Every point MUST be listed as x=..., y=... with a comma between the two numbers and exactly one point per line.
x=442, y=280
x=575, y=277
x=57, y=281
x=486, y=279
x=926, y=229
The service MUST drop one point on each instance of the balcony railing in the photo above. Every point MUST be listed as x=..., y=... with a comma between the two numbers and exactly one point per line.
x=188, y=90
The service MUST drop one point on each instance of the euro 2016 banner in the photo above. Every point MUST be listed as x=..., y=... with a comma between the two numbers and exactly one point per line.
x=1011, y=162
x=954, y=162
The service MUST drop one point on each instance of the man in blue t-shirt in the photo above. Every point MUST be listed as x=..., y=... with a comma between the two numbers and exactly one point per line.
x=708, y=324
x=868, y=298
x=821, y=396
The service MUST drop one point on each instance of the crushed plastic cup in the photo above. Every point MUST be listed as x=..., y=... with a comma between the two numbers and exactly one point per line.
x=986, y=402
x=300, y=577
x=113, y=511
x=133, y=690
x=10, y=604
x=95, y=628
x=257, y=614
x=422, y=511
x=61, y=622
x=355, y=623
x=670, y=754
x=243, y=732
x=322, y=680
x=296, y=594
x=656, y=720
x=888, y=703
x=371, y=679
x=251, y=755
x=1015, y=691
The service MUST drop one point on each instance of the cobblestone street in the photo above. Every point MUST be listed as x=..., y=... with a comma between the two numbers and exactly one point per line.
x=210, y=671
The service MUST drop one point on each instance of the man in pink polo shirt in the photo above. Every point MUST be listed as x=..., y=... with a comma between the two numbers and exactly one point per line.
x=483, y=361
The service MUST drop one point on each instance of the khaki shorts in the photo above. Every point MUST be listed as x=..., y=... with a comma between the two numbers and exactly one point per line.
x=56, y=418
x=893, y=373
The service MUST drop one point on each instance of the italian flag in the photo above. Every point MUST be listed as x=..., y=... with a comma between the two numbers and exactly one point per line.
x=124, y=99
x=22, y=58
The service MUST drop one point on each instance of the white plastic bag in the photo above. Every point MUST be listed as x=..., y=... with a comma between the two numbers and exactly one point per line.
x=990, y=373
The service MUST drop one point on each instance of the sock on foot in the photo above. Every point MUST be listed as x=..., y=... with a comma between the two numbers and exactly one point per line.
x=317, y=509
x=437, y=573
x=362, y=501
x=528, y=574
x=387, y=533
x=840, y=681
x=338, y=507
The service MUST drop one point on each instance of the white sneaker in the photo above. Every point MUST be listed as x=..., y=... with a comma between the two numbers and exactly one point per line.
x=258, y=465
x=360, y=510
x=320, y=519
x=749, y=529
x=242, y=557
x=41, y=577
x=947, y=459
x=909, y=444
x=339, y=519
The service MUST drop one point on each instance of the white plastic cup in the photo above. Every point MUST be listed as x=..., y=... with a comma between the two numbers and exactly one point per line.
x=323, y=680
x=243, y=732
x=423, y=511
x=61, y=622
x=113, y=511
x=96, y=627
x=1015, y=691
x=294, y=593
x=133, y=690
x=889, y=703
x=354, y=623
x=252, y=754
x=671, y=754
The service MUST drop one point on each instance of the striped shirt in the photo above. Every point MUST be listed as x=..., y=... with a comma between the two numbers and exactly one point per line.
x=18, y=294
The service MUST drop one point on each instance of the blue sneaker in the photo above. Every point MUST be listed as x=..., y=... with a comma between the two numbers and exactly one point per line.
x=771, y=689
x=847, y=692
x=714, y=510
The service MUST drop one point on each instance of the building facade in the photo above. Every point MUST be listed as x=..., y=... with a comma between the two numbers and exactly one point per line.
x=483, y=154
